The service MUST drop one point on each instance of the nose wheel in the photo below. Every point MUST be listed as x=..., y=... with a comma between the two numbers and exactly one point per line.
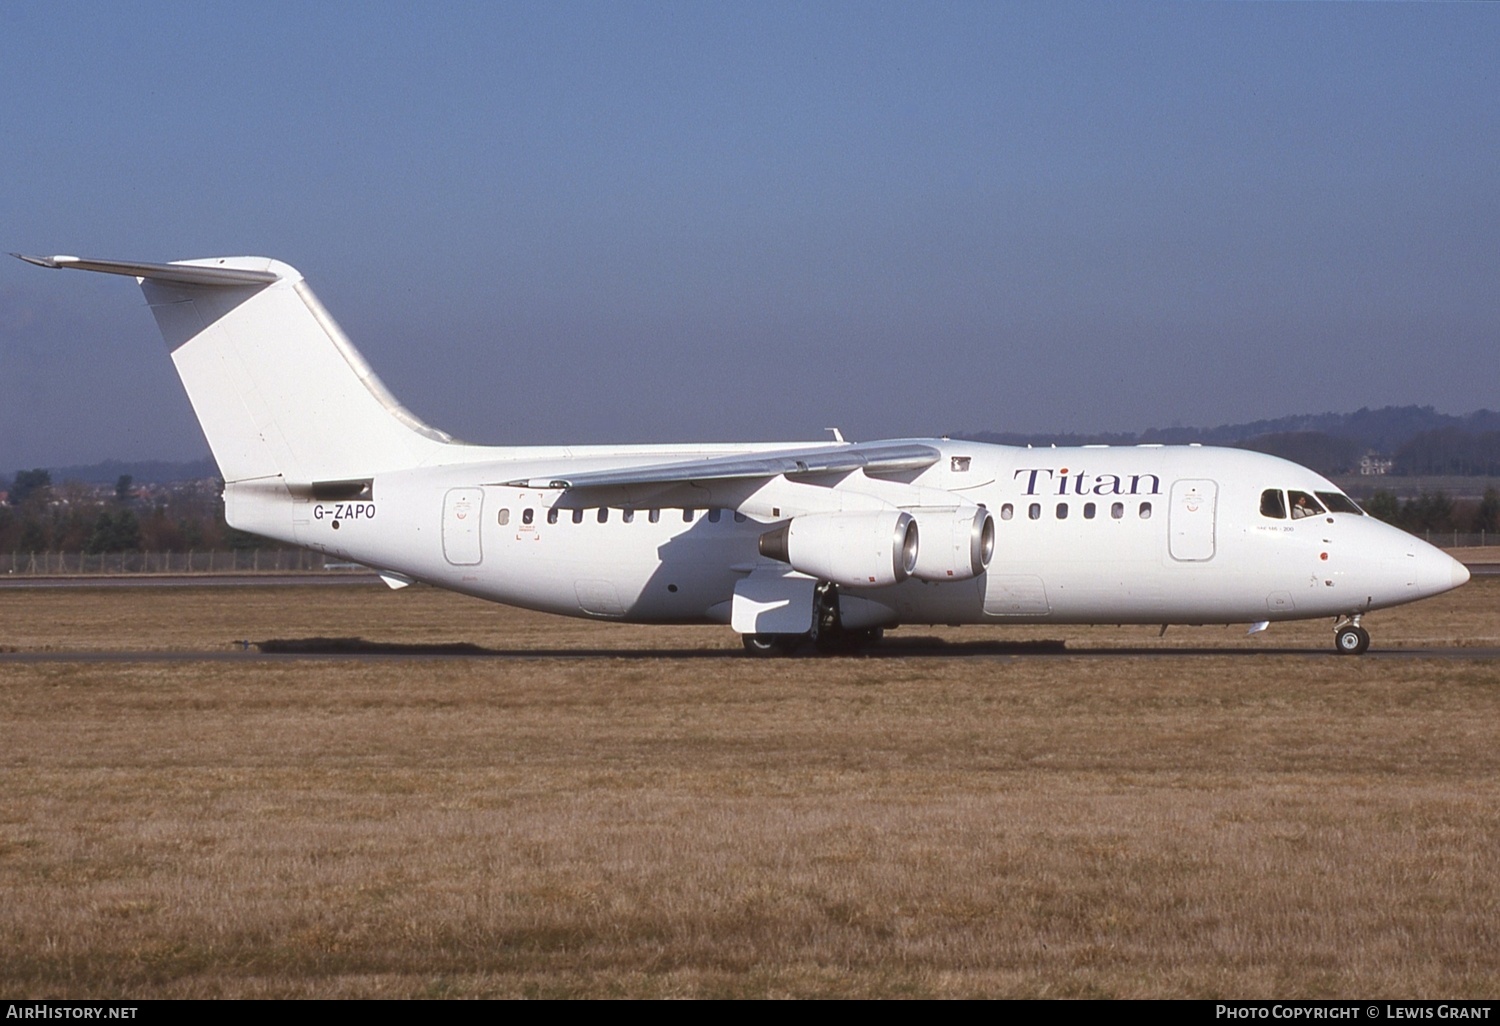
x=1349, y=638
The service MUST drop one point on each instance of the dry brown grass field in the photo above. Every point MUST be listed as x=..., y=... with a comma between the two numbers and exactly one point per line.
x=619, y=811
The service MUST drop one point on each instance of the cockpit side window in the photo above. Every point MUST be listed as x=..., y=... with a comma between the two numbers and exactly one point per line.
x=1303, y=505
x=1272, y=504
x=1338, y=502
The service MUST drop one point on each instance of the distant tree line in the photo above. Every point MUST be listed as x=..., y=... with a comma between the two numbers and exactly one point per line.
x=74, y=517
x=1436, y=512
x=1448, y=451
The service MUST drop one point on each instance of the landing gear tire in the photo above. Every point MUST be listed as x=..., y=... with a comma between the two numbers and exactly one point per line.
x=1351, y=640
x=767, y=645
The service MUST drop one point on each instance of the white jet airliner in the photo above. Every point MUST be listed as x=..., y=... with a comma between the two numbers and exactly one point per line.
x=830, y=542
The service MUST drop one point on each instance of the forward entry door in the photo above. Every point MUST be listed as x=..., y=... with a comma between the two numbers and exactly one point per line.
x=1190, y=523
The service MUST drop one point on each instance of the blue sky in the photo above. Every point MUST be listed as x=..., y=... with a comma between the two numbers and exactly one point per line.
x=594, y=222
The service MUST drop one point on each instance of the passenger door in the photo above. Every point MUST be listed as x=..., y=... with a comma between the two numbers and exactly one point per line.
x=461, y=520
x=1190, y=520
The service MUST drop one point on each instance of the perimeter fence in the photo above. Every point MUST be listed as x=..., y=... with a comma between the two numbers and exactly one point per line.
x=223, y=561
x=1460, y=539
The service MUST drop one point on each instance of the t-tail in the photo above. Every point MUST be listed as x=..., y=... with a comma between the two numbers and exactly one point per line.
x=281, y=392
x=287, y=403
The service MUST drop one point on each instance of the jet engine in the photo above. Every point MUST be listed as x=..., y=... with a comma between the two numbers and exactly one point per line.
x=862, y=550
x=956, y=544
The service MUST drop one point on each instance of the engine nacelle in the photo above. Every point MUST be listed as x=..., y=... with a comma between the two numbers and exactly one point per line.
x=956, y=544
x=862, y=550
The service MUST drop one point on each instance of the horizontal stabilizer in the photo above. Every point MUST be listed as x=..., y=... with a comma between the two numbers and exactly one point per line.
x=281, y=392
x=881, y=457
x=181, y=274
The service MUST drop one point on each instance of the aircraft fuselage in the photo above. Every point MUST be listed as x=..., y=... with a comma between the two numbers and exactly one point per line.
x=1082, y=535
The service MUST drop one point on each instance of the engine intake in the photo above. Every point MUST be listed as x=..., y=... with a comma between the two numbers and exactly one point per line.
x=861, y=550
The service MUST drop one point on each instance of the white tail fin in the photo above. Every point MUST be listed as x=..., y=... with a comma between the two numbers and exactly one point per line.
x=279, y=389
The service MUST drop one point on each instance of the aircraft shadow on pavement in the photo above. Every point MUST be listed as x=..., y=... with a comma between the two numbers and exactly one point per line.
x=893, y=648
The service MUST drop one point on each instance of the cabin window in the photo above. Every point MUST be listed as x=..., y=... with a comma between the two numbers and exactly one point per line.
x=1338, y=502
x=654, y=516
x=1145, y=511
x=578, y=516
x=714, y=515
x=1062, y=511
x=1007, y=511
x=687, y=516
x=504, y=517
x=603, y=514
x=1117, y=510
x=959, y=464
x=1034, y=511
x=1303, y=505
x=627, y=515
x=527, y=516
x=1272, y=504
x=739, y=518
x=552, y=515
x=1088, y=510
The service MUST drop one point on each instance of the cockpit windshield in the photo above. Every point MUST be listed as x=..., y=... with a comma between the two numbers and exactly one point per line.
x=1337, y=502
x=1303, y=505
x=1274, y=504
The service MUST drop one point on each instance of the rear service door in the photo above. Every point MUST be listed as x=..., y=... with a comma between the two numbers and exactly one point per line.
x=461, y=519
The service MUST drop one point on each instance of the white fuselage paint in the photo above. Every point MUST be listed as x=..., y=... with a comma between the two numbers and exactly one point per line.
x=1190, y=544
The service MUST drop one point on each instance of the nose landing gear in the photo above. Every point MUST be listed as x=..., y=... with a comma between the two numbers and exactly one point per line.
x=1349, y=638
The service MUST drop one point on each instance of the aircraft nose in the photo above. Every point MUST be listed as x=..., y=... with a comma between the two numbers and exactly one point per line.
x=1437, y=571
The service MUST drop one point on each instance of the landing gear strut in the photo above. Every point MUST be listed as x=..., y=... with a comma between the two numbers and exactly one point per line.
x=1349, y=638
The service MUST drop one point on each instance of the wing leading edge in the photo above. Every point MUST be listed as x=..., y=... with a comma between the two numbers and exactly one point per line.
x=874, y=458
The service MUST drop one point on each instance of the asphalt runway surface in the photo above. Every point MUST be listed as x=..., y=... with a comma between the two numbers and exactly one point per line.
x=356, y=650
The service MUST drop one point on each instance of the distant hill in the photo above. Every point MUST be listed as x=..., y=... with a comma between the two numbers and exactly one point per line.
x=1384, y=430
x=1418, y=438
x=142, y=472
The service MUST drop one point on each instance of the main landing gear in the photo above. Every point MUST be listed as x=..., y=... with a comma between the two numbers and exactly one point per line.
x=1349, y=638
x=829, y=635
x=765, y=645
x=832, y=643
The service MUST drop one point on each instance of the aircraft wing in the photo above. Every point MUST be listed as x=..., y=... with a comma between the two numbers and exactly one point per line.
x=872, y=457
